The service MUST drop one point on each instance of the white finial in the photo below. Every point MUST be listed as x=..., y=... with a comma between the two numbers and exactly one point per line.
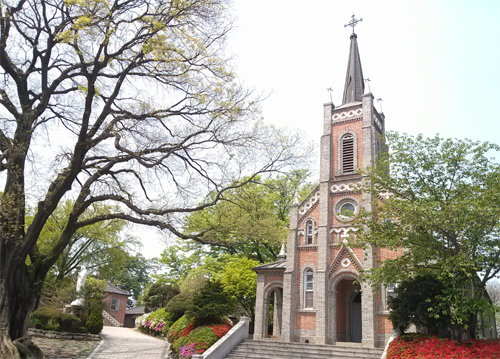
x=282, y=253
x=367, y=86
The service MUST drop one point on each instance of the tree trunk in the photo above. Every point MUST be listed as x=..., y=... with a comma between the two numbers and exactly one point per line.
x=17, y=298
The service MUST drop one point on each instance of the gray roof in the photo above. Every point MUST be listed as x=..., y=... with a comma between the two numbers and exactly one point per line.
x=135, y=310
x=110, y=288
x=274, y=265
x=354, y=83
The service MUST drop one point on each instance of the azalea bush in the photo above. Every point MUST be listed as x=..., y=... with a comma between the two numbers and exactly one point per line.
x=199, y=339
x=432, y=347
x=155, y=323
x=180, y=328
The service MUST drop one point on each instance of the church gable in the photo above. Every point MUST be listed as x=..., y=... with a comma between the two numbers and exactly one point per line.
x=346, y=260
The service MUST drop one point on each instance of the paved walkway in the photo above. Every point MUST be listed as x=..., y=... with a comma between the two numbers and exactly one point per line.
x=125, y=343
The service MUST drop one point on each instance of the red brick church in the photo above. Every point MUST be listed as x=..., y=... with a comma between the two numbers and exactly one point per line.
x=313, y=286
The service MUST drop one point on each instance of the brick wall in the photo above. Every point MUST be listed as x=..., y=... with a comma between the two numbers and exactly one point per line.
x=305, y=321
x=120, y=314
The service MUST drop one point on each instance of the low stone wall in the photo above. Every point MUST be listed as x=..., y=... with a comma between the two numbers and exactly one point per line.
x=62, y=335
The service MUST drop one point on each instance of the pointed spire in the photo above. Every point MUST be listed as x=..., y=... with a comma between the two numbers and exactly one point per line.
x=354, y=82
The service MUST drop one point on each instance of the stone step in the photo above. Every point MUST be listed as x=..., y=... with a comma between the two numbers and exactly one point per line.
x=253, y=349
x=293, y=345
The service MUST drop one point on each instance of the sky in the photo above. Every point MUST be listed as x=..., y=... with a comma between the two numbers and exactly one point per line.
x=434, y=63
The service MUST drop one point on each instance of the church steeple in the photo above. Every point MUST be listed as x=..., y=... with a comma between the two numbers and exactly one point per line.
x=354, y=83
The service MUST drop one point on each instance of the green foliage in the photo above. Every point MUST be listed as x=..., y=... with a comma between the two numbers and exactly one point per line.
x=158, y=295
x=195, y=280
x=51, y=319
x=211, y=304
x=179, y=328
x=155, y=323
x=442, y=208
x=413, y=303
x=91, y=313
x=240, y=281
x=178, y=305
x=203, y=337
x=94, y=322
x=251, y=220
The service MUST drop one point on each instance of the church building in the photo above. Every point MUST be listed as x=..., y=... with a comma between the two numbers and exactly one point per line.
x=313, y=289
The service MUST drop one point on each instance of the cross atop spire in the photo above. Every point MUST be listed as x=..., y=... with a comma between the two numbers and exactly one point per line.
x=353, y=22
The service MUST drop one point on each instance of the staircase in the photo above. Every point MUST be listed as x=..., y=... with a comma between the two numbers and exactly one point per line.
x=257, y=349
x=110, y=319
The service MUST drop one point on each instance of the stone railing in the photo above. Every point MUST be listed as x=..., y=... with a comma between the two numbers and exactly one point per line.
x=228, y=342
x=111, y=319
x=62, y=335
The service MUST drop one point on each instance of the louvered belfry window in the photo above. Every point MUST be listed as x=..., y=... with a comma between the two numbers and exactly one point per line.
x=347, y=154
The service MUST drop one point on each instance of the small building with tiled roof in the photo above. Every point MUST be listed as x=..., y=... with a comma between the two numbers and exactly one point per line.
x=131, y=314
x=115, y=305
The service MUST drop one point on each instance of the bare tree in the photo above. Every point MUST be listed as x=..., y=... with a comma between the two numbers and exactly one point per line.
x=493, y=289
x=123, y=102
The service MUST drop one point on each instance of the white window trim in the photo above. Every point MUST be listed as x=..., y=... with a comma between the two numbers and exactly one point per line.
x=340, y=157
x=117, y=304
x=305, y=290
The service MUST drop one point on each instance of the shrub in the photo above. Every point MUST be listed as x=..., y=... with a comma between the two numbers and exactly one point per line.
x=44, y=317
x=94, y=322
x=211, y=304
x=180, y=328
x=155, y=323
x=413, y=302
x=178, y=305
x=51, y=319
x=70, y=323
x=200, y=339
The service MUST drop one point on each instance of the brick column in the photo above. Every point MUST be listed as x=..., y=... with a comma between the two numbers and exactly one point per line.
x=321, y=277
x=259, y=332
x=277, y=315
x=289, y=280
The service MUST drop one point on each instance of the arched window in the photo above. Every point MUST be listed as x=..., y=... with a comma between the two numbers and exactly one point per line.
x=309, y=232
x=308, y=288
x=347, y=143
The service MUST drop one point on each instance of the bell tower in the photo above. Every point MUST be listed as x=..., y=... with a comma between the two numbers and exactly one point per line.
x=316, y=285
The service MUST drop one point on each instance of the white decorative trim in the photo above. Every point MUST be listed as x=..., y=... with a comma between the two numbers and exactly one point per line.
x=346, y=187
x=310, y=202
x=344, y=231
x=347, y=114
x=385, y=195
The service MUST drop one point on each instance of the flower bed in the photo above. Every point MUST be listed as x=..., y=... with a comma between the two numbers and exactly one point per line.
x=155, y=323
x=424, y=347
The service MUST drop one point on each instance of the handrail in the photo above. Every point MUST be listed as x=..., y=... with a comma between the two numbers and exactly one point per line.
x=111, y=319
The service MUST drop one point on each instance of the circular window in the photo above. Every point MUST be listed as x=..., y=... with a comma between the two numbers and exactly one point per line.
x=346, y=209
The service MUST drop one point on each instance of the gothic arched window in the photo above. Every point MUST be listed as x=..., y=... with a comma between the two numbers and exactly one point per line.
x=309, y=232
x=348, y=153
x=308, y=288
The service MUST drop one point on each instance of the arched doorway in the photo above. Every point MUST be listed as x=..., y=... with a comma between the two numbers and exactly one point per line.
x=273, y=305
x=348, y=311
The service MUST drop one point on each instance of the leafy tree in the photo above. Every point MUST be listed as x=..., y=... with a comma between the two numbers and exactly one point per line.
x=150, y=119
x=441, y=206
x=131, y=273
x=158, y=295
x=251, y=220
x=240, y=281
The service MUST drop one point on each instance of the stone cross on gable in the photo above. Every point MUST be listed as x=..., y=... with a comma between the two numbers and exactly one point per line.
x=353, y=22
